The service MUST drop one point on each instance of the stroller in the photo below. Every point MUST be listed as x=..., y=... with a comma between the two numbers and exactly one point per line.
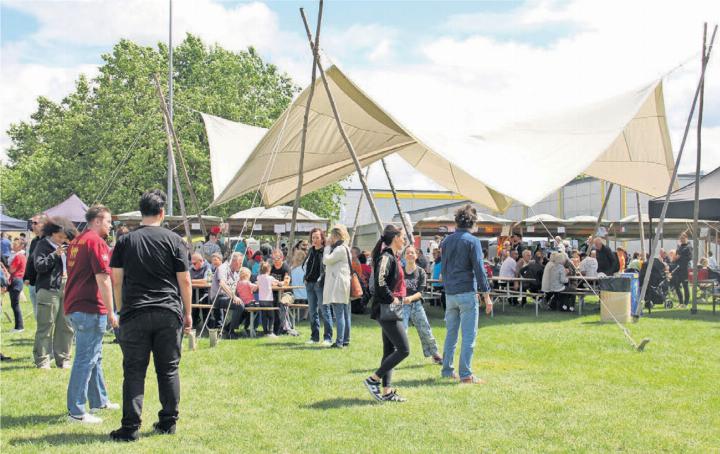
x=658, y=288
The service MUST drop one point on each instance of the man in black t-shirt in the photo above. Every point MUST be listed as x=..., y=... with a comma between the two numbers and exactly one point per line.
x=280, y=270
x=151, y=284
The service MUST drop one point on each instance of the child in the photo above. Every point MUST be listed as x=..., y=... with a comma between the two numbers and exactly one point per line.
x=297, y=275
x=265, y=284
x=245, y=290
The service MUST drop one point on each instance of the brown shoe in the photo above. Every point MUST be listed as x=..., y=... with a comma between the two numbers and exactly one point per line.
x=437, y=359
x=473, y=380
x=454, y=377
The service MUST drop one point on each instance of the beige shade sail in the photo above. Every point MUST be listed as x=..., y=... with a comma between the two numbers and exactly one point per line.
x=623, y=140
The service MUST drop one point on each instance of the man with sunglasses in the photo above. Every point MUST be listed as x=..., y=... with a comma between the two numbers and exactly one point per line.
x=36, y=224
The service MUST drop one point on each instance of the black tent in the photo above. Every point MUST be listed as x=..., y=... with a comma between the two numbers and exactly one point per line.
x=9, y=224
x=681, y=201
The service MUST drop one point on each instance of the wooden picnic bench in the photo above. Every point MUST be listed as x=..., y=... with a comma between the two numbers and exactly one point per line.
x=253, y=310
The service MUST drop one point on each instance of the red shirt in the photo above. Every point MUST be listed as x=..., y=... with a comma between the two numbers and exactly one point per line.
x=18, y=264
x=400, y=291
x=245, y=290
x=87, y=256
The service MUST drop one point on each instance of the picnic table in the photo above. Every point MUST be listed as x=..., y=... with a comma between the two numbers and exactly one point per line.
x=582, y=293
x=509, y=293
x=253, y=310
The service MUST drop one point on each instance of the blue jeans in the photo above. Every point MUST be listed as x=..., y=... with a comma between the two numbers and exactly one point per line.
x=317, y=310
x=87, y=382
x=416, y=312
x=342, y=318
x=33, y=299
x=461, y=312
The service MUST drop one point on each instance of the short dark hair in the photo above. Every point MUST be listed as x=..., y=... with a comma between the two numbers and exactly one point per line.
x=466, y=217
x=60, y=224
x=152, y=202
x=96, y=211
x=362, y=259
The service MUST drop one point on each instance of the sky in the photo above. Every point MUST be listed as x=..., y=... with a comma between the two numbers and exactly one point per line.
x=473, y=63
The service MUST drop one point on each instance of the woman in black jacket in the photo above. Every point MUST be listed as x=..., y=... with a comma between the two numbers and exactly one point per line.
x=389, y=289
x=54, y=334
x=683, y=257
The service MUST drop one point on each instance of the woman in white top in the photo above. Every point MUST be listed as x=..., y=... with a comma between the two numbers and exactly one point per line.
x=554, y=280
x=337, y=282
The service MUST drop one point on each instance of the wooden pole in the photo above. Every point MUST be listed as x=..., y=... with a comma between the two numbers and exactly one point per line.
x=696, y=204
x=602, y=209
x=303, y=141
x=341, y=128
x=175, y=140
x=408, y=231
x=357, y=211
x=641, y=224
x=658, y=229
x=181, y=198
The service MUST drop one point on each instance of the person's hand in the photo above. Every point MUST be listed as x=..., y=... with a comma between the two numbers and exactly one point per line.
x=60, y=251
x=406, y=300
x=113, y=320
x=396, y=301
x=237, y=301
x=488, y=304
x=187, y=323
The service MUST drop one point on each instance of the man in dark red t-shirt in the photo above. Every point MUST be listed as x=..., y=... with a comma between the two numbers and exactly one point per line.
x=88, y=306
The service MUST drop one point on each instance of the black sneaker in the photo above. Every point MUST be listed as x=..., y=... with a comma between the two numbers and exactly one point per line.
x=393, y=396
x=164, y=428
x=336, y=346
x=124, y=434
x=373, y=387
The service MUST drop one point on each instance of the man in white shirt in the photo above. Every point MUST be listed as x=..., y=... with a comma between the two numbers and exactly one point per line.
x=509, y=265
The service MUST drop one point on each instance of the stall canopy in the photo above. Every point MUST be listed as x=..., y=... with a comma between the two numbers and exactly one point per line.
x=615, y=140
x=10, y=224
x=682, y=200
x=72, y=208
x=275, y=220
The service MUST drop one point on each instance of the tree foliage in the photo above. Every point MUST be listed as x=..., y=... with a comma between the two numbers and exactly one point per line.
x=106, y=141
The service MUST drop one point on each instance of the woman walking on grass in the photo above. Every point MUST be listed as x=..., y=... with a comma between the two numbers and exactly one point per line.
x=387, y=310
x=415, y=278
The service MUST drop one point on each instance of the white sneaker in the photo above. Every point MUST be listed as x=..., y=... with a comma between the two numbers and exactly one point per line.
x=108, y=406
x=84, y=419
x=15, y=331
x=327, y=343
x=311, y=342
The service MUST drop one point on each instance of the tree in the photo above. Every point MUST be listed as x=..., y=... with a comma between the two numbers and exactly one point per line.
x=106, y=141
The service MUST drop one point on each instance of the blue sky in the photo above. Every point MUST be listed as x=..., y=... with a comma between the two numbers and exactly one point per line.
x=480, y=62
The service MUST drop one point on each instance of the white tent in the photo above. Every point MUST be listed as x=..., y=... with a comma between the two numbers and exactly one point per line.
x=615, y=140
x=279, y=213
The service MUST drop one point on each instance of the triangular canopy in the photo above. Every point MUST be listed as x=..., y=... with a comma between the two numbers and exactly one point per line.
x=10, y=224
x=72, y=208
x=682, y=200
x=279, y=213
x=615, y=140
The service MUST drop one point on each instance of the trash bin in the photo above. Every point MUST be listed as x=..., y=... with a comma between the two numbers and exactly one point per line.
x=634, y=290
x=616, y=298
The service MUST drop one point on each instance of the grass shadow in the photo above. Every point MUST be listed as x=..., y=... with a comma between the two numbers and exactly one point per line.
x=411, y=366
x=21, y=342
x=414, y=383
x=31, y=420
x=62, y=439
x=338, y=403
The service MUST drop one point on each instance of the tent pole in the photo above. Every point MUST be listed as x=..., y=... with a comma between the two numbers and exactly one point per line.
x=641, y=224
x=658, y=229
x=357, y=211
x=696, y=204
x=181, y=198
x=604, y=206
x=170, y=157
x=303, y=140
x=341, y=128
x=408, y=231
x=174, y=137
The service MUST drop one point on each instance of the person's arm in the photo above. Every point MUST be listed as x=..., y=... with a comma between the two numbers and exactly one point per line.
x=117, y=281
x=13, y=264
x=105, y=286
x=480, y=276
x=45, y=259
x=335, y=256
x=382, y=290
x=183, y=278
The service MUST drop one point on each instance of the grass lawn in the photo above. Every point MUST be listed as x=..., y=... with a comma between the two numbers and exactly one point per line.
x=557, y=383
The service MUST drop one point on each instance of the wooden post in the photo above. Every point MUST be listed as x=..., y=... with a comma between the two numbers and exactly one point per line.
x=166, y=113
x=341, y=128
x=408, y=231
x=602, y=209
x=173, y=169
x=696, y=205
x=357, y=211
x=303, y=141
x=653, y=248
x=641, y=224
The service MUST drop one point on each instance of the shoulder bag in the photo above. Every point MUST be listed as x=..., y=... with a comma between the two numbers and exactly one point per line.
x=356, y=290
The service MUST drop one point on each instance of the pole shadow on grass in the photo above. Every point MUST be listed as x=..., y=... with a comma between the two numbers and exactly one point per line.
x=31, y=420
x=339, y=402
x=62, y=439
x=21, y=342
x=414, y=383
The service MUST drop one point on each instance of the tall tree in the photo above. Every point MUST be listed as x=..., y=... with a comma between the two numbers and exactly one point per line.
x=106, y=141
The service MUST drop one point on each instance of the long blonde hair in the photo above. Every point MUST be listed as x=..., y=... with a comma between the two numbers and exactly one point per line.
x=298, y=258
x=340, y=231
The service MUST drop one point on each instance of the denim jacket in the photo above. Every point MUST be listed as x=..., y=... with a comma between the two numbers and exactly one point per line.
x=462, y=264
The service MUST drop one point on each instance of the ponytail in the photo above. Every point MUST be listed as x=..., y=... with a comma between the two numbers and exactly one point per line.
x=386, y=239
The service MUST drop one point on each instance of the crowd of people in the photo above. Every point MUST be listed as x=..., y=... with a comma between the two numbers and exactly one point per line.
x=81, y=285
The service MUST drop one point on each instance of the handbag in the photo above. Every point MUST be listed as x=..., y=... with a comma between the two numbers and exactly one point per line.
x=391, y=312
x=356, y=290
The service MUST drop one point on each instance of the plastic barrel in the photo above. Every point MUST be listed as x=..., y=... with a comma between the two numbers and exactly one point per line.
x=616, y=299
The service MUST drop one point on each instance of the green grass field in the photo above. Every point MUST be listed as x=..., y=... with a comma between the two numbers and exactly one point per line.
x=557, y=383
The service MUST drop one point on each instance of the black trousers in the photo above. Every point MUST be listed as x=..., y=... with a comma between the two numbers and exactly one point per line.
x=15, y=289
x=223, y=303
x=685, y=289
x=396, y=348
x=160, y=332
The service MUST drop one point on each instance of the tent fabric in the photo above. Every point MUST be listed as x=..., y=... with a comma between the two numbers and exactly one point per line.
x=11, y=224
x=279, y=213
x=72, y=208
x=615, y=140
x=682, y=201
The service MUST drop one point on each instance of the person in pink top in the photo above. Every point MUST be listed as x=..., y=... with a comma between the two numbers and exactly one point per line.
x=265, y=283
x=245, y=291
